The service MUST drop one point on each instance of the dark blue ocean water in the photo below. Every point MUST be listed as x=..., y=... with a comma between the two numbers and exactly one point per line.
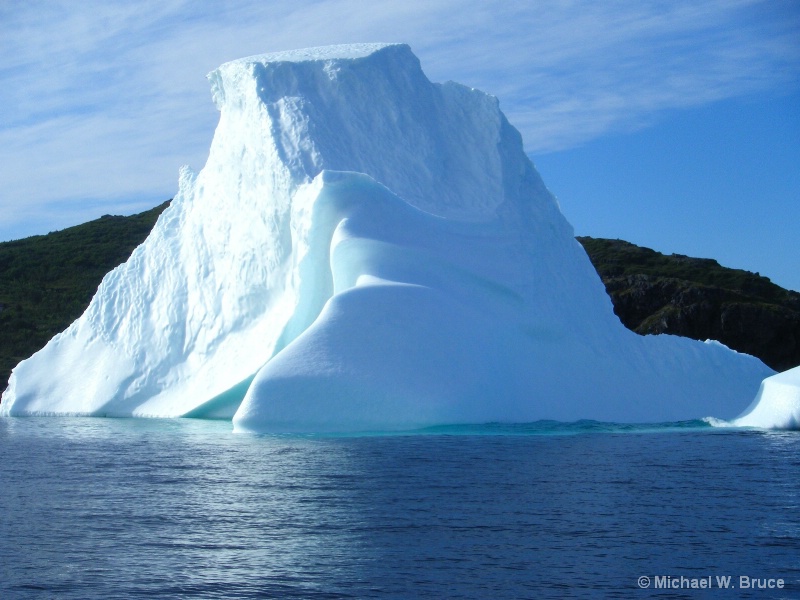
x=104, y=508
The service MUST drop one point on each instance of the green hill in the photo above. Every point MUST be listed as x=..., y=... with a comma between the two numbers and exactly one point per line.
x=47, y=281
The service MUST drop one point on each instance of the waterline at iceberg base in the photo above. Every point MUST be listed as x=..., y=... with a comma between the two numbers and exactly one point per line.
x=366, y=250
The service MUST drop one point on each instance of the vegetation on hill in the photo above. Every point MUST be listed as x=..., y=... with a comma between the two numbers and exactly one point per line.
x=47, y=281
x=698, y=298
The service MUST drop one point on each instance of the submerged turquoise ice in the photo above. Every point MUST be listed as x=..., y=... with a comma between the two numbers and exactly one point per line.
x=366, y=250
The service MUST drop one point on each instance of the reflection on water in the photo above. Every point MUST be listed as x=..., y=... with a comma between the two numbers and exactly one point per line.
x=100, y=508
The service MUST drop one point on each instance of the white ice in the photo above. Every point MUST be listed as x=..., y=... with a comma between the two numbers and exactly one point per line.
x=777, y=404
x=365, y=249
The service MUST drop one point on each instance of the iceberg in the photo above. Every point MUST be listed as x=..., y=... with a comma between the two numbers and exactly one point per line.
x=777, y=404
x=365, y=250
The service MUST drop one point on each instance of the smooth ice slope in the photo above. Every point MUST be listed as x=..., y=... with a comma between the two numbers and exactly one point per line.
x=777, y=405
x=366, y=250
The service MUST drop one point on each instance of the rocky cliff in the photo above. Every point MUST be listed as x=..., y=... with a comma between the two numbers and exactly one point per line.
x=697, y=298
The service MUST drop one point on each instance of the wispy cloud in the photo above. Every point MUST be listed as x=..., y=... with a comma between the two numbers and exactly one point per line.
x=103, y=101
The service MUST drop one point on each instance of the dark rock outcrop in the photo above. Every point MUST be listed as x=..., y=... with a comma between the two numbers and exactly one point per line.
x=697, y=298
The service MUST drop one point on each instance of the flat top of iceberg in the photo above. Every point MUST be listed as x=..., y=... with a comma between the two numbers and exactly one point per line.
x=339, y=51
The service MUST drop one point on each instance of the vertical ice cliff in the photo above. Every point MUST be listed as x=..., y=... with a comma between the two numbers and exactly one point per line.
x=365, y=249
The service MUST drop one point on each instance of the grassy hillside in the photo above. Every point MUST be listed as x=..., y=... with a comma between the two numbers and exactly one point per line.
x=47, y=281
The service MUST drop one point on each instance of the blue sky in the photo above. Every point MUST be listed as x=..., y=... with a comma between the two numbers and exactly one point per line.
x=672, y=124
x=721, y=181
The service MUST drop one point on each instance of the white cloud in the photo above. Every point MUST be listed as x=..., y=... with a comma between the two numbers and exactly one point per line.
x=104, y=100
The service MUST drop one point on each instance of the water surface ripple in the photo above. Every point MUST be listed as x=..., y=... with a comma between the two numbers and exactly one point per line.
x=104, y=508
